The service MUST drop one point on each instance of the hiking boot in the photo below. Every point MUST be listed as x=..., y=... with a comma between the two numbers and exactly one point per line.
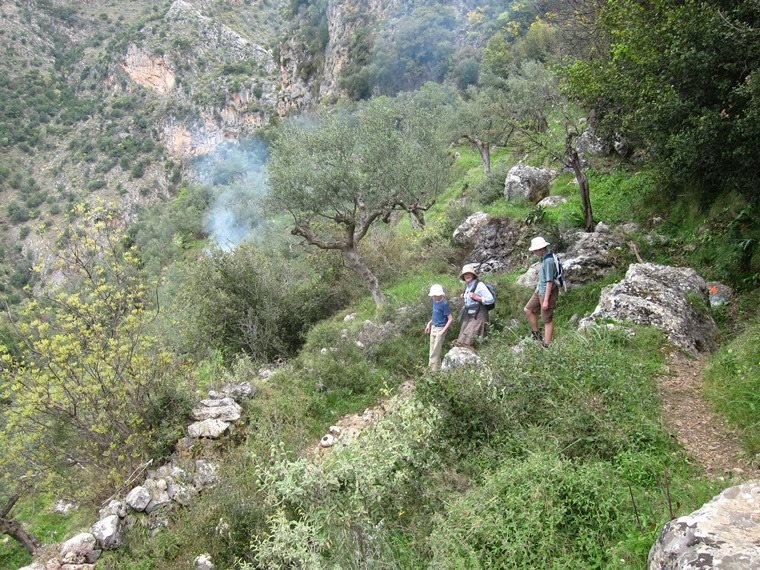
x=536, y=335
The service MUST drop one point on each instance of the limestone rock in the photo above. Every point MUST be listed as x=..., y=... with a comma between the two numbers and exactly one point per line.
x=671, y=299
x=468, y=230
x=203, y=562
x=206, y=474
x=327, y=441
x=108, y=532
x=460, y=358
x=239, y=391
x=158, y=494
x=80, y=549
x=528, y=182
x=501, y=245
x=552, y=201
x=63, y=507
x=225, y=409
x=207, y=428
x=723, y=534
x=138, y=498
x=118, y=508
x=33, y=566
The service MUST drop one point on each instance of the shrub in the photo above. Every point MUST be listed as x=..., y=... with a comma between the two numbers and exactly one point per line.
x=491, y=187
x=539, y=513
x=78, y=394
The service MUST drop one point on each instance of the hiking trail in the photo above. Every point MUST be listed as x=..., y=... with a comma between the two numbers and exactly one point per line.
x=704, y=434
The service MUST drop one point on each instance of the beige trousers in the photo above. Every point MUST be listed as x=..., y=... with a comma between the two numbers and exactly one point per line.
x=437, y=335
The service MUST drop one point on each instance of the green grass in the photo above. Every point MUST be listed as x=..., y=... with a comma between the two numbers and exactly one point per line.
x=732, y=379
x=46, y=526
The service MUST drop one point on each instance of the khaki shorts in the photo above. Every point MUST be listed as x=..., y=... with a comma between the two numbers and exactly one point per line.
x=534, y=305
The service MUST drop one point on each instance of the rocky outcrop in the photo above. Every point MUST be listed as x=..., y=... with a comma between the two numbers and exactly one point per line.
x=723, y=534
x=150, y=71
x=590, y=257
x=528, y=183
x=500, y=245
x=672, y=299
x=468, y=230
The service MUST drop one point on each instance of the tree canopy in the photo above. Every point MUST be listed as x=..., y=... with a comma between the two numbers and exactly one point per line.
x=340, y=172
x=681, y=79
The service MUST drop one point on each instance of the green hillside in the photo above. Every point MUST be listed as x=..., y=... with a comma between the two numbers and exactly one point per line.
x=282, y=195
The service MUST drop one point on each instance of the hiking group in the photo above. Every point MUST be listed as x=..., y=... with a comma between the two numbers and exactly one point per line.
x=479, y=299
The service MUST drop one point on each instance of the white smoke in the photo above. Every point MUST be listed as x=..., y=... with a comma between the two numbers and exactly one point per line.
x=236, y=177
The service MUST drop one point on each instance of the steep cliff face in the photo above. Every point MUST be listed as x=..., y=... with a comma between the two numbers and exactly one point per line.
x=224, y=79
x=301, y=82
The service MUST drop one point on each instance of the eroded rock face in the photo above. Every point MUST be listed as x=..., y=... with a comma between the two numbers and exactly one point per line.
x=500, y=245
x=723, y=534
x=672, y=299
x=148, y=70
x=528, y=182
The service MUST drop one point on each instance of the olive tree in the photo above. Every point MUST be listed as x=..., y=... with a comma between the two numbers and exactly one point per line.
x=343, y=170
x=534, y=95
x=483, y=119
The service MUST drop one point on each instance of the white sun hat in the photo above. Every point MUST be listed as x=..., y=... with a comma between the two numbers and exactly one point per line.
x=436, y=291
x=538, y=243
x=469, y=268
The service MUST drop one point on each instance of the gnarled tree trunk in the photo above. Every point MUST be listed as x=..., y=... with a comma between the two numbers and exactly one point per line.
x=355, y=262
x=15, y=529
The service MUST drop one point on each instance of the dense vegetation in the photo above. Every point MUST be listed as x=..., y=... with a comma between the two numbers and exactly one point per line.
x=553, y=458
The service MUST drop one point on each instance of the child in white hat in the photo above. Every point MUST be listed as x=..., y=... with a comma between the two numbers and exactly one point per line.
x=437, y=325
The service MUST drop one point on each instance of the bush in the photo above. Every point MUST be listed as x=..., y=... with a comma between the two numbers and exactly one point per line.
x=491, y=187
x=540, y=513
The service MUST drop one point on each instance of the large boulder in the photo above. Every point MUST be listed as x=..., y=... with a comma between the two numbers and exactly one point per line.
x=672, y=299
x=723, y=534
x=500, y=245
x=528, y=182
x=468, y=230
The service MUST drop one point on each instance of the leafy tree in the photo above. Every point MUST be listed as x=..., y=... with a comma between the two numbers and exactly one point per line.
x=484, y=118
x=342, y=173
x=534, y=94
x=79, y=394
x=683, y=80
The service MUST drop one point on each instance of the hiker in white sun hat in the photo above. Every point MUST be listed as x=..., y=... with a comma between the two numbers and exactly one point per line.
x=544, y=298
x=437, y=326
x=476, y=295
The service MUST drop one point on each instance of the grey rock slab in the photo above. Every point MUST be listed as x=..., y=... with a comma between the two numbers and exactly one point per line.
x=724, y=534
x=108, y=532
x=211, y=428
x=460, y=358
x=138, y=498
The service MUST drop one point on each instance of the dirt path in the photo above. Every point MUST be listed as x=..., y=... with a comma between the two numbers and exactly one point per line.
x=349, y=427
x=703, y=433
